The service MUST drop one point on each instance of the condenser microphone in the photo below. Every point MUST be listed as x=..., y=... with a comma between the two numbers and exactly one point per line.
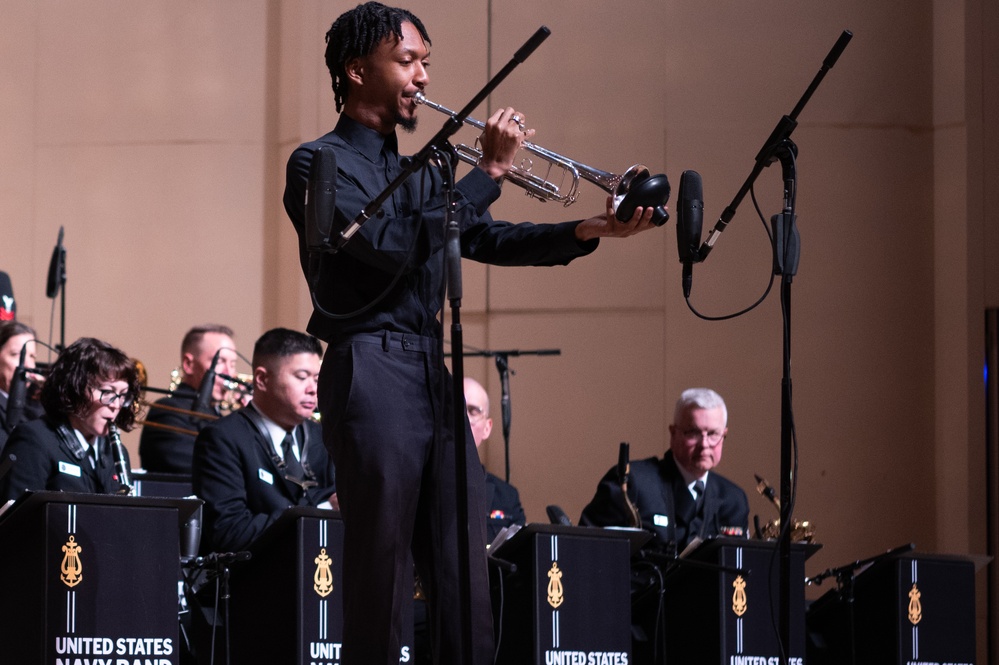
x=320, y=200
x=204, y=396
x=689, y=219
x=557, y=516
x=623, y=463
x=57, y=268
x=18, y=392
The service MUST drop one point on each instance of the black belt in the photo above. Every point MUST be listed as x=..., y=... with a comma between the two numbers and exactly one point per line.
x=394, y=341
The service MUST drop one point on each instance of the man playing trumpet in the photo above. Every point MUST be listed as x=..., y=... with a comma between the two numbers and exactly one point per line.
x=384, y=390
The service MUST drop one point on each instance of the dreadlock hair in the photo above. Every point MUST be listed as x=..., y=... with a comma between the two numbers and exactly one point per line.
x=358, y=32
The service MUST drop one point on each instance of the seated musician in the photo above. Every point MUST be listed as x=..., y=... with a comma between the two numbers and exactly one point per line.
x=15, y=337
x=90, y=385
x=679, y=496
x=167, y=441
x=253, y=464
x=503, y=506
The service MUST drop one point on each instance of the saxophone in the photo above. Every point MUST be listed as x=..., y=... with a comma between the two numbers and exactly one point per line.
x=802, y=531
x=623, y=472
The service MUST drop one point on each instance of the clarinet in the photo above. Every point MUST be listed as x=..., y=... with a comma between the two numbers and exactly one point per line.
x=120, y=464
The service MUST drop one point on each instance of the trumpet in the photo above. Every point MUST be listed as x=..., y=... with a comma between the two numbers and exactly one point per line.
x=654, y=189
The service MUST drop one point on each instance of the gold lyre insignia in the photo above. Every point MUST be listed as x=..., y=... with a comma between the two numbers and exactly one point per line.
x=739, y=604
x=915, y=607
x=323, y=576
x=555, y=594
x=71, y=567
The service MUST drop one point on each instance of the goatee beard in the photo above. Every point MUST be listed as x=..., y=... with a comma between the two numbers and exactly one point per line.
x=408, y=124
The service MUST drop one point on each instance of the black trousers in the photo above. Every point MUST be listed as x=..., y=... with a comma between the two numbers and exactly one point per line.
x=387, y=412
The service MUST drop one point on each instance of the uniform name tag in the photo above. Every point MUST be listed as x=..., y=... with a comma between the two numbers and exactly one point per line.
x=69, y=469
x=265, y=476
x=660, y=520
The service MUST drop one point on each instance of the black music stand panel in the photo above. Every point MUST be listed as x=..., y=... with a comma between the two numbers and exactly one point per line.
x=909, y=608
x=287, y=600
x=177, y=485
x=716, y=618
x=90, y=576
x=568, y=600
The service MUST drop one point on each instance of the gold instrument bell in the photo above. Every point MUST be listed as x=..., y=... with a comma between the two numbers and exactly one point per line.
x=802, y=531
x=237, y=389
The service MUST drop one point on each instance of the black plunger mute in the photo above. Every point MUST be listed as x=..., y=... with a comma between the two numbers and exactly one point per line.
x=646, y=191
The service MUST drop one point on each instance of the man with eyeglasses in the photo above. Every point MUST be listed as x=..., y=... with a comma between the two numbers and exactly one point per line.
x=679, y=496
x=503, y=506
x=90, y=385
x=252, y=465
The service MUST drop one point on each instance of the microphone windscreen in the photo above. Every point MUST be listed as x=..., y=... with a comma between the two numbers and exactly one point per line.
x=18, y=395
x=623, y=461
x=689, y=216
x=557, y=516
x=203, y=399
x=55, y=268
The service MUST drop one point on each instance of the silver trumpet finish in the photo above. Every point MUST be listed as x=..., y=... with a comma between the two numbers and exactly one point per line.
x=544, y=188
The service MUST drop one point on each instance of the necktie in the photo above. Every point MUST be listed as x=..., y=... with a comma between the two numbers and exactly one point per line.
x=694, y=528
x=699, y=498
x=293, y=468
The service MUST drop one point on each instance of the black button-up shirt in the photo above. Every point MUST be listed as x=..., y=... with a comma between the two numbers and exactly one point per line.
x=409, y=239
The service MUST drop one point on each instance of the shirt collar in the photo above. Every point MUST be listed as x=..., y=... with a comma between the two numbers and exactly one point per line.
x=365, y=140
x=689, y=479
x=82, y=439
x=276, y=432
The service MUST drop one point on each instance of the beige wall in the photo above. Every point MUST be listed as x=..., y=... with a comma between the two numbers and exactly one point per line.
x=157, y=133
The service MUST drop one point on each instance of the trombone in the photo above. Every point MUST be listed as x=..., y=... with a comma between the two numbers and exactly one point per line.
x=143, y=377
x=172, y=409
x=656, y=188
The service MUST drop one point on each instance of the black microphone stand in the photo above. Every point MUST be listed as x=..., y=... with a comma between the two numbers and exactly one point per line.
x=503, y=366
x=199, y=572
x=846, y=577
x=779, y=147
x=665, y=563
x=452, y=264
x=56, y=286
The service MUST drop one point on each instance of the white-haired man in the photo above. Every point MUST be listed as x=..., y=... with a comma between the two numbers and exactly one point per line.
x=679, y=496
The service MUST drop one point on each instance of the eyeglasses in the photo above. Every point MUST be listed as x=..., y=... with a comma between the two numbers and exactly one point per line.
x=475, y=413
x=712, y=436
x=109, y=397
